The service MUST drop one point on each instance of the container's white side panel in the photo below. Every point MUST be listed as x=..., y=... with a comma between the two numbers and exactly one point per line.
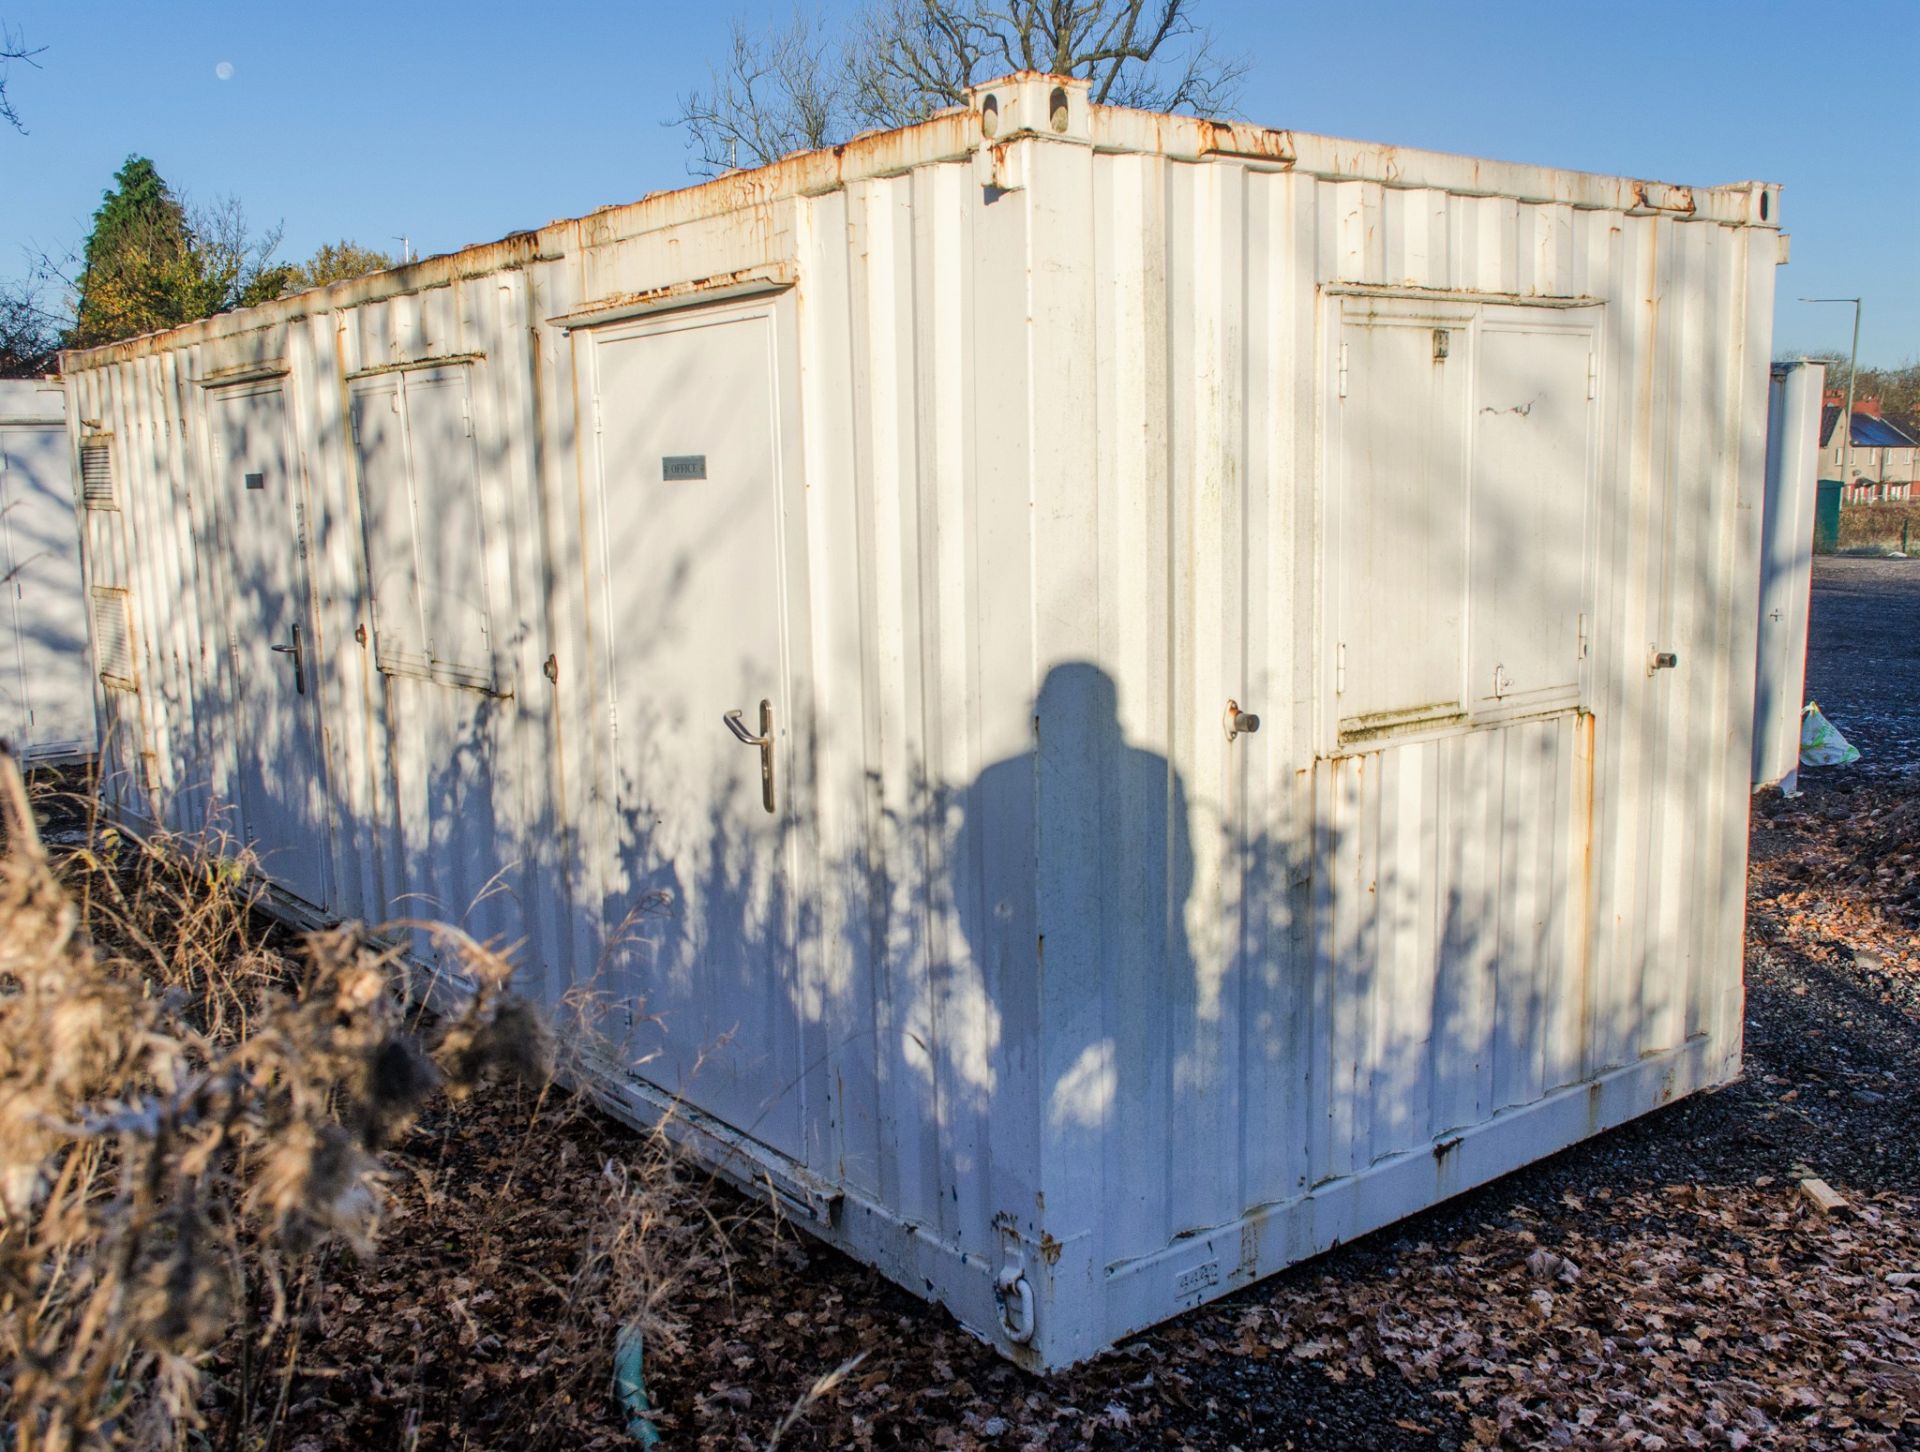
x=966, y=1045
x=1476, y=920
x=1720, y=999
x=1786, y=569
x=161, y=491
x=919, y=440
x=505, y=317
x=45, y=662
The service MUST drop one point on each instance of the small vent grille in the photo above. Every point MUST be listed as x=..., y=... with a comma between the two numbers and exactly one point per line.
x=96, y=475
x=113, y=637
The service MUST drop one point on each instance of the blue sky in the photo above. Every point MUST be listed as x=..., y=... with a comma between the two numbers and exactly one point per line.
x=459, y=123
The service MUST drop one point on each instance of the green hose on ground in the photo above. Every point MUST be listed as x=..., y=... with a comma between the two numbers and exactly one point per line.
x=630, y=1384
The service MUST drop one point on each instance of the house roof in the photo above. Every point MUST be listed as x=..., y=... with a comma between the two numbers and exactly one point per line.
x=1869, y=431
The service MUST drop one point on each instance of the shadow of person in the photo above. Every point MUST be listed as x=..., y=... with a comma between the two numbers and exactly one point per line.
x=1082, y=840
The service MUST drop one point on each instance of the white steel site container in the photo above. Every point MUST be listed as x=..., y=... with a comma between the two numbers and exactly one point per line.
x=992, y=471
x=1786, y=569
x=46, y=697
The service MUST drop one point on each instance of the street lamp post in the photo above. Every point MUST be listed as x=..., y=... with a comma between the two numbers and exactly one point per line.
x=1853, y=371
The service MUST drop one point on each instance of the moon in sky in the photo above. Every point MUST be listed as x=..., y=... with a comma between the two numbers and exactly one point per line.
x=224, y=70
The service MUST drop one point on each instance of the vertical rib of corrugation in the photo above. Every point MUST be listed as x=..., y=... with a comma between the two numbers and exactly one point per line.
x=916, y=1053
x=956, y=1011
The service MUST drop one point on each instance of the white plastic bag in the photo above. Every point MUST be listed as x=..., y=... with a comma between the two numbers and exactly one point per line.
x=1821, y=743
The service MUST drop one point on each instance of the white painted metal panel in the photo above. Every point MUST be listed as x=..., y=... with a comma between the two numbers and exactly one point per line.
x=1786, y=569
x=281, y=786
x=46, y=695
x=1399, y=497
x=1038, y=990
x=1535, y=387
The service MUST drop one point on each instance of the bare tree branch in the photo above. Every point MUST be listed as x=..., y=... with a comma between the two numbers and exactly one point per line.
x=904, y=60
x=775, y=94
x=915, y=57
x=29, y=330
x=13, y=48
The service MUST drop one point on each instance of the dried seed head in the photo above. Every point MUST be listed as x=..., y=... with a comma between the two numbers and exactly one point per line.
x=315, y=1181
x=399, y=1078
x=512, y=1043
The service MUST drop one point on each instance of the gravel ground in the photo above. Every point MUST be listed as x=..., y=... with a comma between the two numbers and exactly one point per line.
x=1666, y=1285
x=1863, y=657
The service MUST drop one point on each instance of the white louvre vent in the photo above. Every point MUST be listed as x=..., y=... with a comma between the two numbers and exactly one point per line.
x=96, y=475
x=113, y=637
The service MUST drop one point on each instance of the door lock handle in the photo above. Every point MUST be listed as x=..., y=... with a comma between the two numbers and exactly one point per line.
x=299, y=661
x=764, y=741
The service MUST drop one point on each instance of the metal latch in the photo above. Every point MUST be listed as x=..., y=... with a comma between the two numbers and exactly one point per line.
x=299, y=661
x=1238, y=722
x=1663, y=660
x=764, y=741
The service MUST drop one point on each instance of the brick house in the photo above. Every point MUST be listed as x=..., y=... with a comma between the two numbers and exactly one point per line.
x=1885, y=461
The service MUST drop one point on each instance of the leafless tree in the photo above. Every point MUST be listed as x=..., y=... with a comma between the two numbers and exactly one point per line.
x=904, y=60
x=13, y=48
x=29, y=331
x=920, y=56
x=235, y=264
x=776, y=93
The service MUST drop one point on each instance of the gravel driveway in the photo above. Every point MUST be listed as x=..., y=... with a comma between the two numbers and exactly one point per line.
x=1863, y=657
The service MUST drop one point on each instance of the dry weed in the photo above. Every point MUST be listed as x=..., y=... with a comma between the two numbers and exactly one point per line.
x=188, y=1117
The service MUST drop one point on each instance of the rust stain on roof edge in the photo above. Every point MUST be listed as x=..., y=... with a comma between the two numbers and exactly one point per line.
x=951, y=135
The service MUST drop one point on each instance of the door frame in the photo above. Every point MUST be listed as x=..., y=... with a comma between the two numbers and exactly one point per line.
x=796, y=762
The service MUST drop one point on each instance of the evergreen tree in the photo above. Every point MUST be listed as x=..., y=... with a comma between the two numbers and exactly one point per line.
x=150, y=263
x=138, y=271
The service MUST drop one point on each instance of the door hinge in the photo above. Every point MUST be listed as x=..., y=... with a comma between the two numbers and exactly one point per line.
x=353, y=424
x=1340, y=668
x=1343, y=370
x=1593, y=375
x=1583, y=636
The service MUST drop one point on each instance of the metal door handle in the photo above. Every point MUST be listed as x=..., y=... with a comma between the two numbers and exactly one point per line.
x=764, y=741
x=299, y=661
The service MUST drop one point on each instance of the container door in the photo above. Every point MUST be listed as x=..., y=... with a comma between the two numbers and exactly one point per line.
x=686, y=429
x=280, y=779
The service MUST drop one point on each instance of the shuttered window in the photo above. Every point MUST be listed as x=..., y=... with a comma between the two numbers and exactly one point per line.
x=113, y=638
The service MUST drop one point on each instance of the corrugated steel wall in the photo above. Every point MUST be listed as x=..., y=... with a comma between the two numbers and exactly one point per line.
x=1085, y=988
x=46, y=696
x=1786, y=569
x=1350, y=956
